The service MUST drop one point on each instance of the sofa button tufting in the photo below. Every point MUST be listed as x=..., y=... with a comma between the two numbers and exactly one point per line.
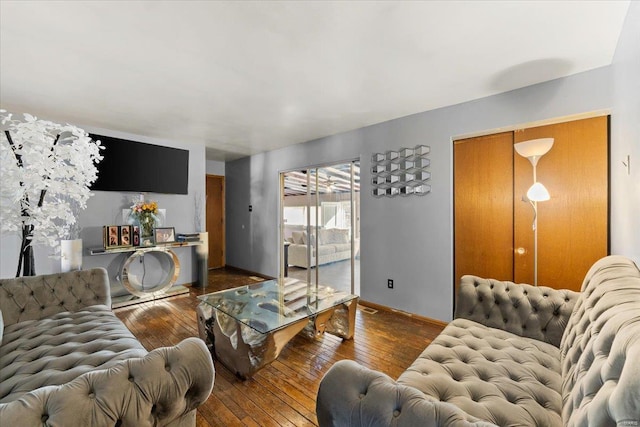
x=396, y=413
x=361, y=396
x=131, y=378
x=167, y=368
x=486, y=317
x=92, y=395
x=44, y=418
x=10, y=295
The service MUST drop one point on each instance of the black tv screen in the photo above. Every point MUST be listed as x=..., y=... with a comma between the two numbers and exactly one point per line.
x=139, y=167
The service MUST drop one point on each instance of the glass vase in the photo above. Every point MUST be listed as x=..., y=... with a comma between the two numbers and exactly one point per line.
x=147, y=224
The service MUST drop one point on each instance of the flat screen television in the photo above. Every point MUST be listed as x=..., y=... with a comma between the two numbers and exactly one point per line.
x=139, y=167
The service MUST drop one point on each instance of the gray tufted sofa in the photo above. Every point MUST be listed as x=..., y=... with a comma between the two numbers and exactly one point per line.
x=66, y=360
x=515, y=355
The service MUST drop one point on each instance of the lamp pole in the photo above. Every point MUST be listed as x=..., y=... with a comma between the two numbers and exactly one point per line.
x=533, y=150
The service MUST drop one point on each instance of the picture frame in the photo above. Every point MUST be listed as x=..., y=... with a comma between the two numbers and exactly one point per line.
x=136, y=235
x=126, y=235
x=111, y=236
x=163, y=235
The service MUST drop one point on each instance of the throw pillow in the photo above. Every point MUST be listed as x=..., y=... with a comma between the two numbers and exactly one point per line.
x=306, y=240
x=297, y=237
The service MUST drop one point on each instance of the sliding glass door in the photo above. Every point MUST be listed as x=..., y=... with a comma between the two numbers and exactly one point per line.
x=320, y=225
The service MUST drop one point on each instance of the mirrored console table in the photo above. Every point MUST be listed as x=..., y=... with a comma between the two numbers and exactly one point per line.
x=134, y=283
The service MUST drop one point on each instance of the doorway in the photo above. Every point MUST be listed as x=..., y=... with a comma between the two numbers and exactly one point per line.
x=320, y=225
x=215, y=220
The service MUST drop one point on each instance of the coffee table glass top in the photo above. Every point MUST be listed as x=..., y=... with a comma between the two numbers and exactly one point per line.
x=271, y=305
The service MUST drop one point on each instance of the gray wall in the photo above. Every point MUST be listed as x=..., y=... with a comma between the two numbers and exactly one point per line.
x=105, y=208
x=625, y=132
x=411, y=239
x=215, y=167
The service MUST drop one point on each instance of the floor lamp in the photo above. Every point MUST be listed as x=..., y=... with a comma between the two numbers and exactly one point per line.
x=533, y=150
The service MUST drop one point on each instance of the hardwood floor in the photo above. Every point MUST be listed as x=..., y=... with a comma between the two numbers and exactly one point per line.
x=283, y=393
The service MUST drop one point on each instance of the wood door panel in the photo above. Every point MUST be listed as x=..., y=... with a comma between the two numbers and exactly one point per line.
x=483, y=206
x=215, y=220
x=573, y=225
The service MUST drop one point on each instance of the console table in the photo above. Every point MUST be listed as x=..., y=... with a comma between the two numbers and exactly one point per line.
x=164, y=288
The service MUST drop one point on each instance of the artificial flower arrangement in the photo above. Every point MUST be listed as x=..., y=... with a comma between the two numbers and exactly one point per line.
x=47, y=171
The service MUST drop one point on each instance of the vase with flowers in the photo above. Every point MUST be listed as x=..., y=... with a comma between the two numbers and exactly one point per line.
x=146, y=215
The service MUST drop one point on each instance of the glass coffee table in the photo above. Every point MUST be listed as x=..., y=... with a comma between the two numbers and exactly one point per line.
x=246, y=328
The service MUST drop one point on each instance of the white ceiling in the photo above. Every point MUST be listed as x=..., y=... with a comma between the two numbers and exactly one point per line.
x=247, y=77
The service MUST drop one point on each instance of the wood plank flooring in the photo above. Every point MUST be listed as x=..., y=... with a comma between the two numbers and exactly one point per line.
x=283, y=393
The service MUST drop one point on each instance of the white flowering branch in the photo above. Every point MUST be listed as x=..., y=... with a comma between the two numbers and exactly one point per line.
x=47, y=169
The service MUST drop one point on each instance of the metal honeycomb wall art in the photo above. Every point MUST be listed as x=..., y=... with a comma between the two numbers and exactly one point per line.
x=401, y=173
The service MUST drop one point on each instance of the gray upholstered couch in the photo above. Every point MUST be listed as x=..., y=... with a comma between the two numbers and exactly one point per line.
x=66, y=360
x=515, y=355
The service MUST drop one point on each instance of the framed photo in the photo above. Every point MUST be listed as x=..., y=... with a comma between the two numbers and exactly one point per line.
x=136, y=235
x=126, y=237
x=111, y=236
x=164, y=235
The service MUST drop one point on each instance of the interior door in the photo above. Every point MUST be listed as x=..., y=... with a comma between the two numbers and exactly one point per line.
x=573, y=225
x=483, y=206
x=215, y=220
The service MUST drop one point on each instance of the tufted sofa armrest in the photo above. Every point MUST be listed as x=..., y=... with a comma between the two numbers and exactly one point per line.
x=352, y=395
x=36, y=297
x=530, y=311
x=156, y=390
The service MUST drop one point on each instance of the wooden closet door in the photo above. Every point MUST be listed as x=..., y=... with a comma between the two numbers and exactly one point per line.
x=215, y=220
x=572, y=226
x=483, y=206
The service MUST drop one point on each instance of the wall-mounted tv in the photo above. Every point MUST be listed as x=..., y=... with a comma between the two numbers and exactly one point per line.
x=139, y=167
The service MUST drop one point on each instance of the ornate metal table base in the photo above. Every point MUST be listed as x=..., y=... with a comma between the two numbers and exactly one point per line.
x=244, y=350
